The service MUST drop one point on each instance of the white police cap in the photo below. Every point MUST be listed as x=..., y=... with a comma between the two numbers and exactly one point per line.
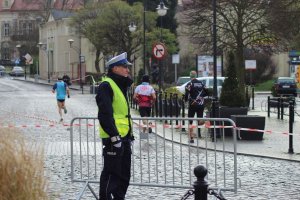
x=118, y=60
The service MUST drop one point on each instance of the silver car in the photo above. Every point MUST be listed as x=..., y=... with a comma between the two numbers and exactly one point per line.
x=17, y=71
x=208, y=81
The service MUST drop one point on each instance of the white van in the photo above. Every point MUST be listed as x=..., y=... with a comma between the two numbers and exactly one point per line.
x=208, y=81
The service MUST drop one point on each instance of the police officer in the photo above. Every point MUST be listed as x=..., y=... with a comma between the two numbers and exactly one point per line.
x=115, y=129
x=195, y=92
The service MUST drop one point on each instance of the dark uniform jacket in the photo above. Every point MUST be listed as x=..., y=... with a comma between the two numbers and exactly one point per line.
x=194, y=92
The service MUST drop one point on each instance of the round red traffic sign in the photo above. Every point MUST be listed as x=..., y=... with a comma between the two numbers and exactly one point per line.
x=159, y=51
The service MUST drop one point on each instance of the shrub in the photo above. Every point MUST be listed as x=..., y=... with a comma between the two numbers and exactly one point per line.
x=173, y=90
x=21, y=169
x=231, y=95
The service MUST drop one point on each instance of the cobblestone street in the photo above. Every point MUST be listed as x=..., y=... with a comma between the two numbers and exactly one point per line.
x=27, y=104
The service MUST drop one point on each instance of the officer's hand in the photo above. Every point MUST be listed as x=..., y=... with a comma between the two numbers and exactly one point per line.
x=68, y=96
x=117, y=144
x=114, y=147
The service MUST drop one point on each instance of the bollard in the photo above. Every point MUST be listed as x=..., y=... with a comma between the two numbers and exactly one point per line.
x=252, y=97
x=166, y=106
x=201, y=185
x=156, y=105
x=291, y=121
x=269, y=106
x=213, y=106
x=152, y=108
x=278, y=108
x=247, y=98
x=176, y=108
x=183, y=112
x=171, y=105
x=160, y=104
x=281, y=108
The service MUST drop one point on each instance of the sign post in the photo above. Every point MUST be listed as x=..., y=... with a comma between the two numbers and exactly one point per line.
x=159, y=52
x=250, y=65
x=175, y=60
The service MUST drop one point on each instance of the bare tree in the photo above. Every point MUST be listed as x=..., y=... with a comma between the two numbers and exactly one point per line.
x=284, y=21
x=240, y=24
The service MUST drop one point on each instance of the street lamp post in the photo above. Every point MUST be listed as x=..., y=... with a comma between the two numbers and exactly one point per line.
x=78, y=50
x=161, y=11
x=215, y=92
x=132, y=28
x=44, y=47
x=144, y=36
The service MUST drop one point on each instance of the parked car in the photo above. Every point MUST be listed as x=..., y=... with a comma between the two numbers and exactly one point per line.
x=17, y=71
x=284, y=86
x=2, y=70
x=182, y=80
x=208, y=81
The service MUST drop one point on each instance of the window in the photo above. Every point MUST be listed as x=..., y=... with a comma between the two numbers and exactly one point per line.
x=5, y=53
x=29, y=27
x=5, y=4
x=24, y=29
x=6, y=29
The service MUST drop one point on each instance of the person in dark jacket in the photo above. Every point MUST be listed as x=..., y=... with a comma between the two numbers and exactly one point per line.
x=195, y=92
x=115, y=129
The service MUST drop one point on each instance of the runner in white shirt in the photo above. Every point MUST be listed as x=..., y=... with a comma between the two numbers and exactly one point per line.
x=144, y=94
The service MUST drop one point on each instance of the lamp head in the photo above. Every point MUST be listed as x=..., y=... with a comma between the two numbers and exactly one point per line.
x=40, y=44
x=18, y=46
x=132, y=27
x=161, y=9
x=70, y=41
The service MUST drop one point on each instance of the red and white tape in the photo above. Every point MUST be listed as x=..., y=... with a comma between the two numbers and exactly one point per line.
x=209, y=126
x=30, y=117
x=44, y=125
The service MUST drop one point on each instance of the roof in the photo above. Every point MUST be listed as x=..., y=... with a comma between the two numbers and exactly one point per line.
x=32, y=5
x=60, y=14
x=68, y=4
x=38, y=5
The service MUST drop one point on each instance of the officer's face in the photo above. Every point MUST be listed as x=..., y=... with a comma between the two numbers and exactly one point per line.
x=121, y=70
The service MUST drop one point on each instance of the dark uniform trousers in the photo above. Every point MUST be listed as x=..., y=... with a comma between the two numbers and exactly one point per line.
x=115, y=177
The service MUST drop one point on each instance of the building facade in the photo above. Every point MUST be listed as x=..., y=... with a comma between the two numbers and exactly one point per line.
x=19, y=21
x=63, y=50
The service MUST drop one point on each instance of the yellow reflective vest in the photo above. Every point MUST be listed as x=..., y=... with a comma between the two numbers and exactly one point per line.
x=120, y=111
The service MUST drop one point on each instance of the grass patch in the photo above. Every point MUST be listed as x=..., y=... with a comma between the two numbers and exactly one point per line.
x=265, y=86
x=21, y=168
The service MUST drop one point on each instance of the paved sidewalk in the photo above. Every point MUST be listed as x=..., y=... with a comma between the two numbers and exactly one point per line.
x=74, y=86
x=273, y=145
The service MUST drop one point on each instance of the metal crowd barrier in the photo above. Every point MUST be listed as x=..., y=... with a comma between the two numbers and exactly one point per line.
x=163, y=158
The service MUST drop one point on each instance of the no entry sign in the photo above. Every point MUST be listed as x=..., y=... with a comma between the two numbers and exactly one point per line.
x=159, y=51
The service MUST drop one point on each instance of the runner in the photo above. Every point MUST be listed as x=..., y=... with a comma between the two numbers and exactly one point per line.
x=144, y=94
x=62, y=90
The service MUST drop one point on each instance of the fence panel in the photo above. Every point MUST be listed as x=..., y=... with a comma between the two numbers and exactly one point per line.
x=163, y=158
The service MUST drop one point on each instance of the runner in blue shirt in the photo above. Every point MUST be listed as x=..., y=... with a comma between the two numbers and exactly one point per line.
x=62, y=90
